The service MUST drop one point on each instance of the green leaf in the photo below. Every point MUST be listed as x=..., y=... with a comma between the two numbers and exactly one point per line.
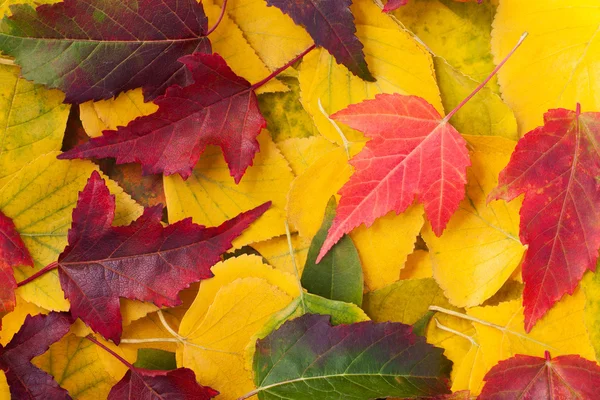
x=309, y=359
x=339, y=274
x=155, y=359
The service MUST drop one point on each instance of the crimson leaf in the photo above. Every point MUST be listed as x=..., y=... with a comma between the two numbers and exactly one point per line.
x=220, y=108
x=143, y=261
x=25, y=380
x=93, y=50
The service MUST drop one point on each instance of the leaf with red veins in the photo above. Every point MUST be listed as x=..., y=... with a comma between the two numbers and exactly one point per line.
x=25, y=380
x=95, y=49
x=178, y=384
x=557, y=167
x=527, y=377
x=12, y=254
x=220, y=109
x=331, y=25
x=412, y=153
x=143, y=261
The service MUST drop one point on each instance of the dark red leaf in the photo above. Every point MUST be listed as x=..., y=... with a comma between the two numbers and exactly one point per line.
x=93, y=50
x=331, y=25
x=145, y=384
x=220, y=108
x=143, y=261
x=12, y=253
x=25, y=380
x=531, y=378
x=557, y=167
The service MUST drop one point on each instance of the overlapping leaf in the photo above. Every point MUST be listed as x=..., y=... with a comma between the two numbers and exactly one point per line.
x=35, y=336
x=412, y=153
x=93, y=50
x=220, y=108
x=142, y=261
x=556, y=166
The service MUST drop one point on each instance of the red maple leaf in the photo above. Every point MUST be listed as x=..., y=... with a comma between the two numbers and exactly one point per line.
x=531, y=378
x=12, y=253
x=556, y=166
x=219, y=108
x=413, y=152
x=143, y=261
x=25, y=380
x=331, y=25
x=139, y=383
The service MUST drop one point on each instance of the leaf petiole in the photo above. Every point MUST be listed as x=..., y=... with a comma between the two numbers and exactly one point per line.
x=281, y=69
x=115, y=355
x=293, y=257
x=41, y=272
x=212, y=29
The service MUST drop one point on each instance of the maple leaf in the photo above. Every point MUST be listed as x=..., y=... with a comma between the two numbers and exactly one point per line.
x=33, y=339
x=527, y=377
x=143, y=261
x=412, y=152
x=12, y=253
x=331, y=25
x=556, y=166
x=219, y=108
x=392, y=5
x=144, y=383
x=93, y=50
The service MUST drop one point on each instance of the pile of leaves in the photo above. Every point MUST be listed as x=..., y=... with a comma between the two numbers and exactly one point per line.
x=310, y=199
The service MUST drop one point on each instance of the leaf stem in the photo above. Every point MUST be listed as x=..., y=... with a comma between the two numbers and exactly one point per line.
x=151, y=340
x=6, y=61
x=115, y=355
x=211, y=30
x=453, y=331
x=41, y=272
x=293, y=257
x=486, y=80
x=283, y=68
x=249, y=394
x=176, y=335
x=336, y=127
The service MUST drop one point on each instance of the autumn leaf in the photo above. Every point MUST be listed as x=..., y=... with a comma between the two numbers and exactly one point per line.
x=117, y=47
x=331, y=25
x=555, y=166
x=392, y=5
x=153, y=269
x=527, y=377
x=366, y=351
x=35, y=336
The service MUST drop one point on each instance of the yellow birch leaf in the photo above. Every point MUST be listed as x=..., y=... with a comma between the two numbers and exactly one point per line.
x=32, y=121
x=480, y=247
x=418, y=265
x=12, y=322
x=76, y=366
x=301, y=153
x=40, y=199
x=272, y=34
x=311, y=191
x=210, y=195
x=394, y=57
x=149, y=327
x=216, y=344
x=4, y=389
x=558, y=63
x=229, y=42
x=277, y=252
x=385, y=245
x=286, y=118
x=97, y=116
x=244, y=266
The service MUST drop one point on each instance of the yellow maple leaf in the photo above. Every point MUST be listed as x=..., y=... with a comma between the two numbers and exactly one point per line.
x=557, y=66
x=277, y=252
x=210, y=196
x=301, y=153
x=480, y=247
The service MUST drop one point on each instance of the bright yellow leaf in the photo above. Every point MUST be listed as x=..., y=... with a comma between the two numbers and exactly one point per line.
x=277, y=252
x=216, y=344
x=4, y=389
x=301, y=153
x=272, y=34
x=76, y=366
x=418, y=265
x=395, y=59
x=557, y=65
x=32, y=120
x=480, y=247
x=97, y=116
x=210, y=195
x=40, y=199
x=5, y=5
x=12, y=322
x=385, y=245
